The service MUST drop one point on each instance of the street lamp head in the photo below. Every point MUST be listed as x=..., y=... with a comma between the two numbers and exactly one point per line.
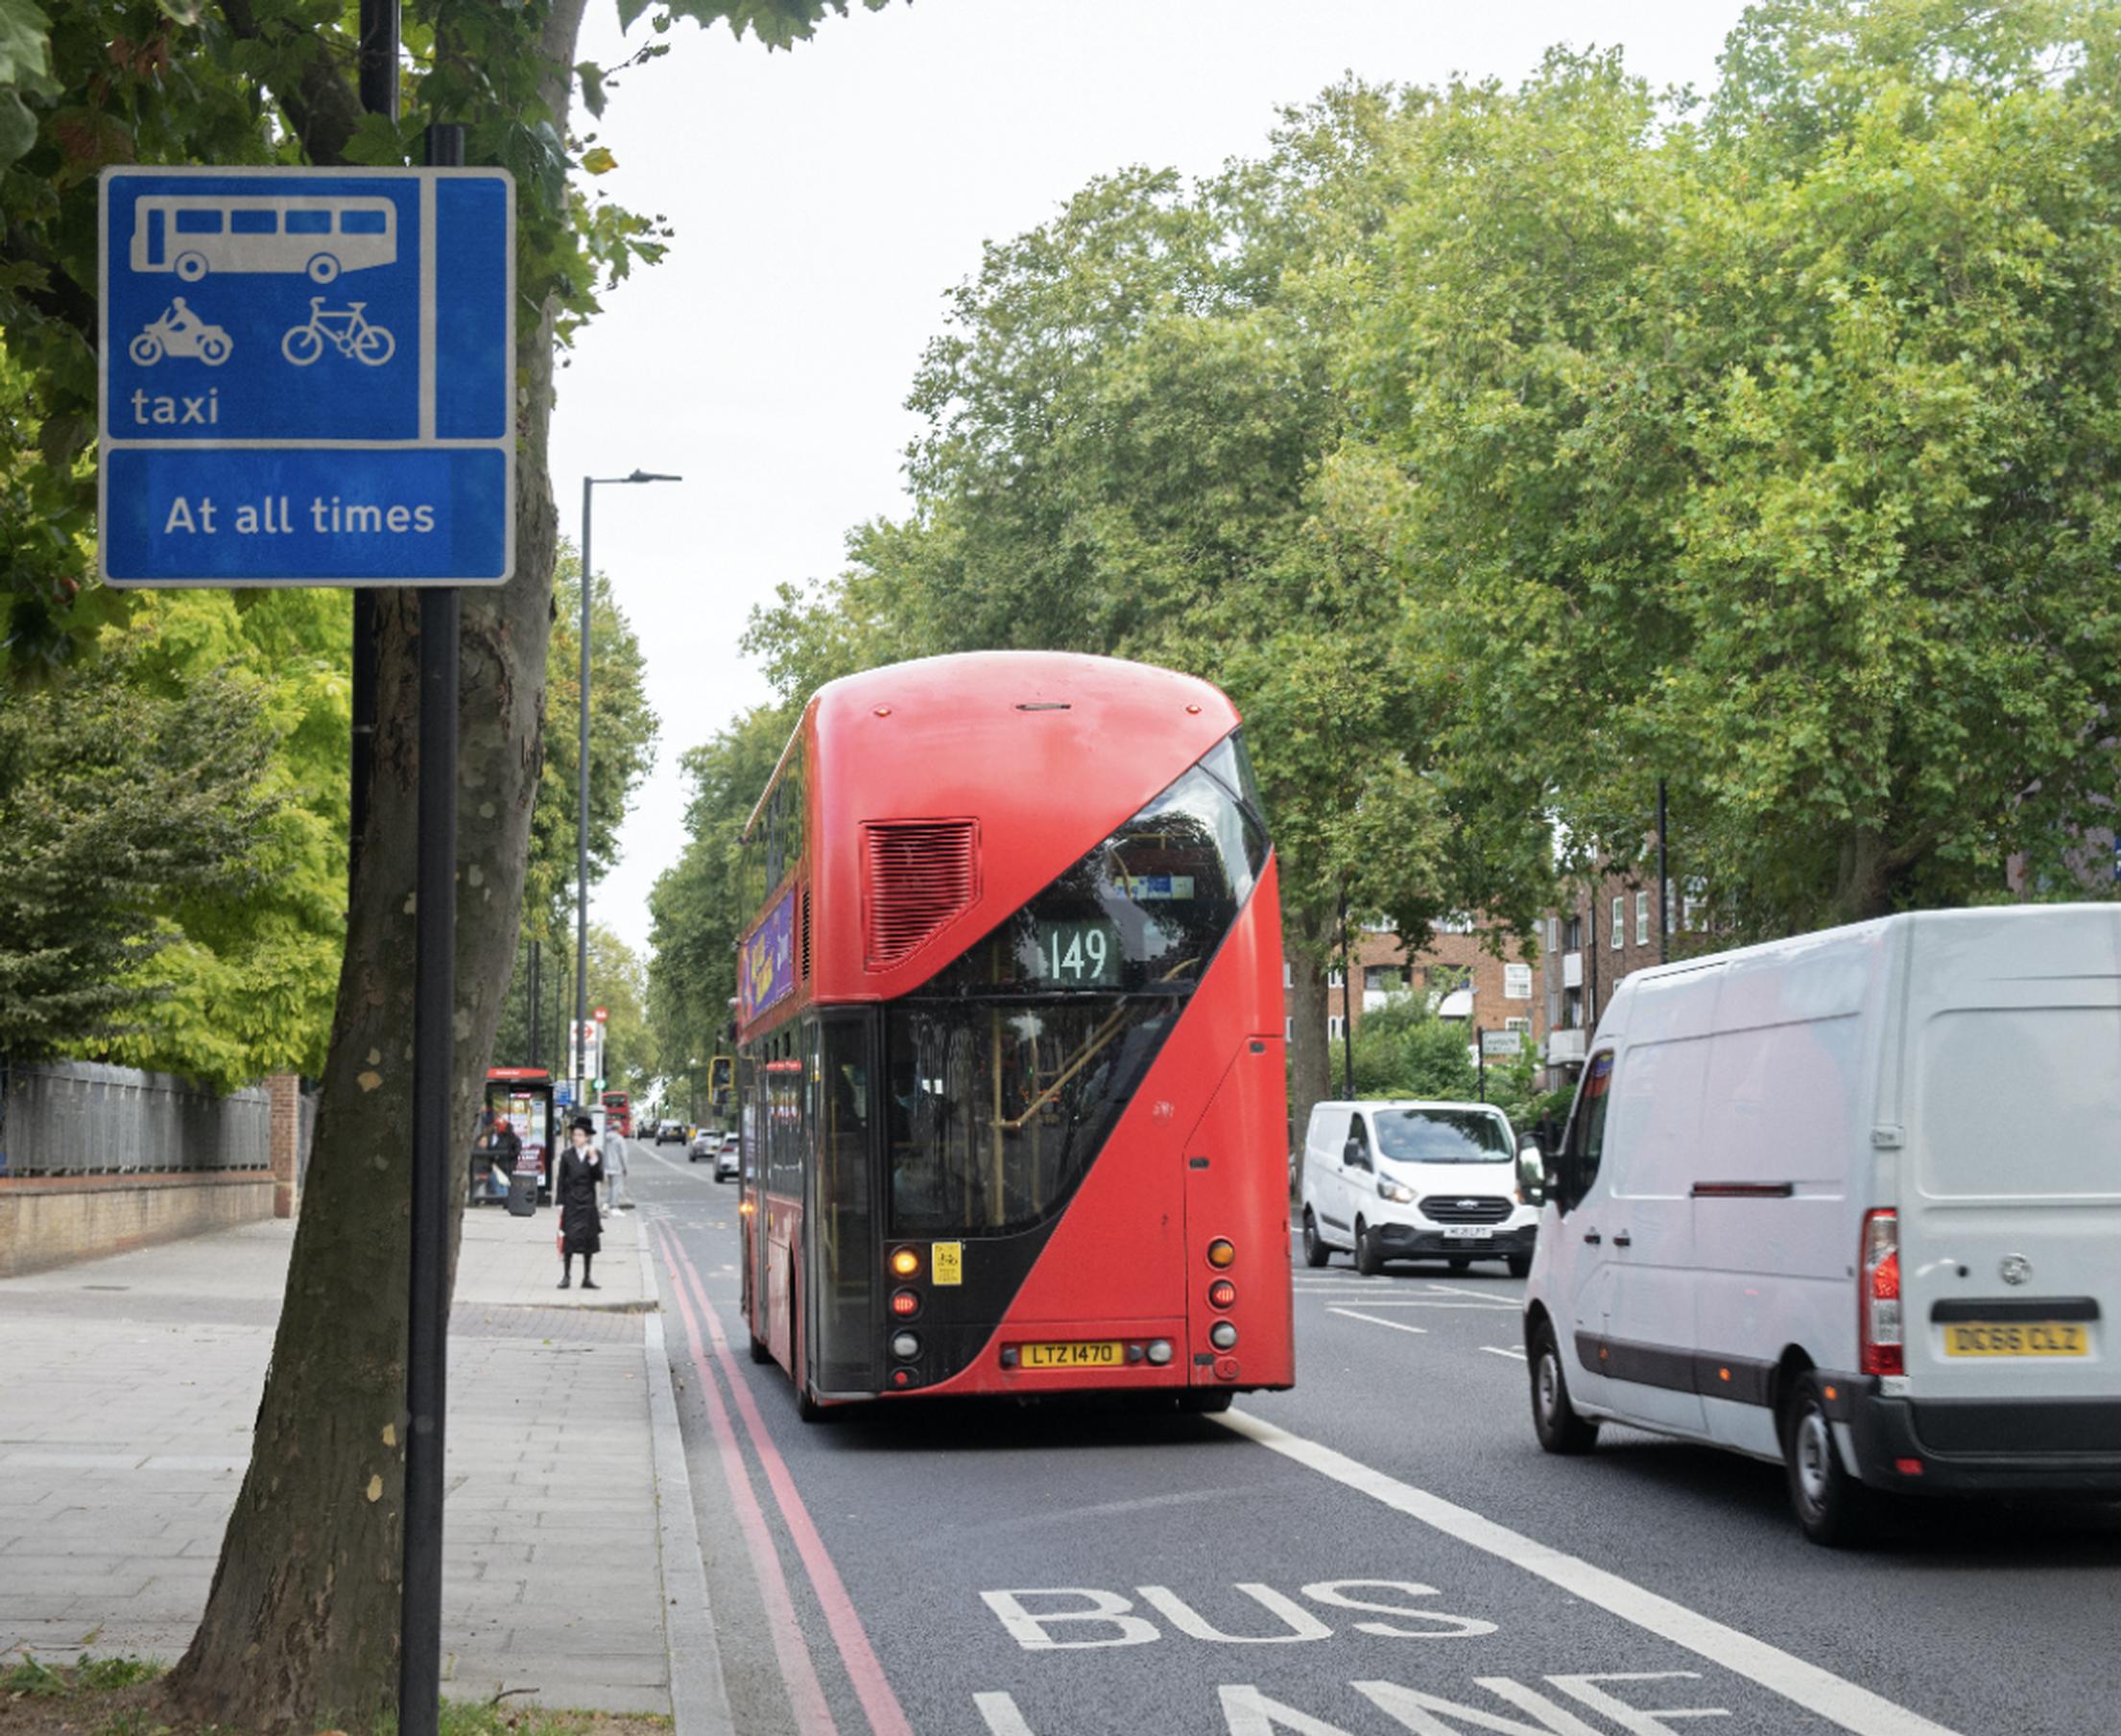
x=641, y=476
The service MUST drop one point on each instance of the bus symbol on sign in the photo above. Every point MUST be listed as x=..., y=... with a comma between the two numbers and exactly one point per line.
x=193, y=233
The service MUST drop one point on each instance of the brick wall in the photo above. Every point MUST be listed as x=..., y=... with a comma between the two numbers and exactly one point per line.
x=50, y=1221
x=285, y=1093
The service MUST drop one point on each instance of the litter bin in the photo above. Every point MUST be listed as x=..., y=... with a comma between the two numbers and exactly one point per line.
x=522, y=1194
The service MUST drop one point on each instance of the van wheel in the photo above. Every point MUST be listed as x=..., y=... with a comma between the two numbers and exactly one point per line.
x=1457, y=1265
x=1314, y=1253
x=1369, y=1259
x=1520, y=1265
x=1832, y=1507
x=1554, y=1419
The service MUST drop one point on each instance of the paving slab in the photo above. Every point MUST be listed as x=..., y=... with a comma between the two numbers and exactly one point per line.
x=129, y=1388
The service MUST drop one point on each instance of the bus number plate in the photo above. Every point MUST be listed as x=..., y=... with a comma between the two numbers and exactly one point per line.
x=1107, y=1355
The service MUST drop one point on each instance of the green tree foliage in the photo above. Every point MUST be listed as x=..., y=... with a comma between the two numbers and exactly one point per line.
x=1770, y=449
x=122, y=810
x=697, y=908
x=1133, y=446
x=1403, y=1049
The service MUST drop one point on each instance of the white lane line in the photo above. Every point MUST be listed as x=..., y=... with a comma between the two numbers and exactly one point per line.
x=685, y=1170
x=1504, y=1350
x=1395, y=1325
x=1486, y=1295
x=1818, y=1691
x=1450, y=1307
x=1000, y=1712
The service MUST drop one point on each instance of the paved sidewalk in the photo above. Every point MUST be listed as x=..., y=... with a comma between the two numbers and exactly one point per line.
x=127, y=1391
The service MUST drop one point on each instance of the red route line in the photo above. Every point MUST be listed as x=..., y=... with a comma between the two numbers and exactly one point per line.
x=805, y=1694
x=871, y=1686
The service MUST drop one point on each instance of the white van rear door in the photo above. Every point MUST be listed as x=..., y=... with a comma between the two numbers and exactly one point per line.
x=2010, y=1204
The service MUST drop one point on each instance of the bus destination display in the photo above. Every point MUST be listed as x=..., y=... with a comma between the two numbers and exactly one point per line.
x=1078, y=955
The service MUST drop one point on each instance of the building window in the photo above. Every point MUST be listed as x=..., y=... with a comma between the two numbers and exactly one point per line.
x=1572, y=1008
x=1288, y=974
x=1333, y=1028
x=1554, y=934
x=1642, y=918
x=1572, y=936
x=1457, y=923
x=1553, y=1008
x=1288, y=1030
x=1334, y=979
x=1524, y=1025
x=1620, y=923
x=1517, y=981
x=1384, y=979
x=1690, y=905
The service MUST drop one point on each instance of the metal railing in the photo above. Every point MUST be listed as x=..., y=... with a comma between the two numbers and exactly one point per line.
x=83, y=1118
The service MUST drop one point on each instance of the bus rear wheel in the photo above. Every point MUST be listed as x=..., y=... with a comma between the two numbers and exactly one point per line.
x=1206, y=1401
x=761, y=1351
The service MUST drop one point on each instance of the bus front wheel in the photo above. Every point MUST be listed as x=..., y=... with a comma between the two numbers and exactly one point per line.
x=322, y=268
x=191, y=267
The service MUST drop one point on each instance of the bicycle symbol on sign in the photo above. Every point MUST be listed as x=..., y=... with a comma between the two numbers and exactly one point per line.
x=346, y=329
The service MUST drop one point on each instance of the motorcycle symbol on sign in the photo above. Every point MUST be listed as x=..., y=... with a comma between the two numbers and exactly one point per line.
x=181, y=332
x=346, y=329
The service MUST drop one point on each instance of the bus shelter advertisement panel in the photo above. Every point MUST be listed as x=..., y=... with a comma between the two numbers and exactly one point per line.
x=307, y=376
x=769, y=959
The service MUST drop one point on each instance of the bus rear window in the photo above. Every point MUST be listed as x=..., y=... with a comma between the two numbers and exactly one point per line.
x=363, y=222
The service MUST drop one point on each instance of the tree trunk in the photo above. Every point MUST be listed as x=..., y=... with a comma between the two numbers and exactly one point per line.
x=1864, y=885
x=300, y=1628
x=1310, y=1052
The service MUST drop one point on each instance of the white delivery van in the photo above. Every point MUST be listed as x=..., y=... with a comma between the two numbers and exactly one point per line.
x=1851, y=1202
x=1414, y=1181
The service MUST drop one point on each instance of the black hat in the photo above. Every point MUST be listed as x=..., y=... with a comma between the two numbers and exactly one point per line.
x=584, y=1125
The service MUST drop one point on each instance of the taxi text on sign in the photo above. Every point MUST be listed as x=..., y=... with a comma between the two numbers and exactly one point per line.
x=307, y=376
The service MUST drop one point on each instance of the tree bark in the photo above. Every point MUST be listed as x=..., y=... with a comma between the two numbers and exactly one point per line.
x=1310, y=1052
x=300, y=1628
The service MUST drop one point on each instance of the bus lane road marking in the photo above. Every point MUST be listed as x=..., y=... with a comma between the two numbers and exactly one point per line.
x=1819, y=1691
x=1514, y=1355
x=857, y=1655
x=805, y=1694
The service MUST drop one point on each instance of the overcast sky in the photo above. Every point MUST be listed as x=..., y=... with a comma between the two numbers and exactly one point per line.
x=826, y=199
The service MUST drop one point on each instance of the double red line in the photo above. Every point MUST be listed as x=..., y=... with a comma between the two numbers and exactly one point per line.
x=709, y=1349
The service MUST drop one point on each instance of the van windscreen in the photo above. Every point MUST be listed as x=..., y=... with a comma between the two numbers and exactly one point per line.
x=1440, y=1136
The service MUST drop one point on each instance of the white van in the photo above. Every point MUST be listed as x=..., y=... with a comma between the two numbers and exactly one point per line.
x=1414, y=1181
x=1851, y=1202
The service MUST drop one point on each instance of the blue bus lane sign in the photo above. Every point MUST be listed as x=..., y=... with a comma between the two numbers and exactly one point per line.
x=307, y=376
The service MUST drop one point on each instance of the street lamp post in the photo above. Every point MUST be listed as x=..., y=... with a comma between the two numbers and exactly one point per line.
x=582, y=798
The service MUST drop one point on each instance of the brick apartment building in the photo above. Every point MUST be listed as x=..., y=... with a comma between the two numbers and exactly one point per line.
x=1504, y=991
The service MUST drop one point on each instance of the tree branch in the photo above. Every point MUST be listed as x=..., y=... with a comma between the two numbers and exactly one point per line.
x=324, y=108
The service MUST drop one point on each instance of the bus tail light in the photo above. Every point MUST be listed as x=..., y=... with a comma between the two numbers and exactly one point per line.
x=1221, y=1294
x=1159, y=1351
x=905, y=1262
x=1878, y=1304
x=1222, y=1335
x=906, y=1345
x=905, y=1303
x=1221, y=1253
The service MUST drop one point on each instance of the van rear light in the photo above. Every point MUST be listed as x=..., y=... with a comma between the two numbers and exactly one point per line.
x=1878, y=1300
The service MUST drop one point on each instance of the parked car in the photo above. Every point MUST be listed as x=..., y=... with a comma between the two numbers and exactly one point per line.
x=728, y=1158
x=704, y=1145
x=1407, y=1181
x=1849, y=1202
x=670, y=1132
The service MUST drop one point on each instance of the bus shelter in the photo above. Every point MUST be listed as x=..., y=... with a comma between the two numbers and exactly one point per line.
x=522, y=1096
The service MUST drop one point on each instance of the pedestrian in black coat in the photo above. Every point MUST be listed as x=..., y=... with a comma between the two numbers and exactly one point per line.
x=580, y=1230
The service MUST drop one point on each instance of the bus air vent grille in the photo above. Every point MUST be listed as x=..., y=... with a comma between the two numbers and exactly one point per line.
x=918, y=877
x=806, y=946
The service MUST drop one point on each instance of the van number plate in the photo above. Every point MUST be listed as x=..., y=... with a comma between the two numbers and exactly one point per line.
x=2017, y=1338
x=1470, y=1232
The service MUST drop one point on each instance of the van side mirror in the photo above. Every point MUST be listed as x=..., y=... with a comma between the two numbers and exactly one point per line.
x=1354, y=1155
x=1531, y=1172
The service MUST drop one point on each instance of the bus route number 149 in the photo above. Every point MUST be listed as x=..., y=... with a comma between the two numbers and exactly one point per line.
x=1073, y=953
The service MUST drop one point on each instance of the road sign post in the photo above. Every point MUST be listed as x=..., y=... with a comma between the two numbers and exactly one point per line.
x=307, y=378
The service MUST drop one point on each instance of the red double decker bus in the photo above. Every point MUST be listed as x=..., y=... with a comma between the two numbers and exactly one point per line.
x=618, y=1111
x=1010, y=1050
